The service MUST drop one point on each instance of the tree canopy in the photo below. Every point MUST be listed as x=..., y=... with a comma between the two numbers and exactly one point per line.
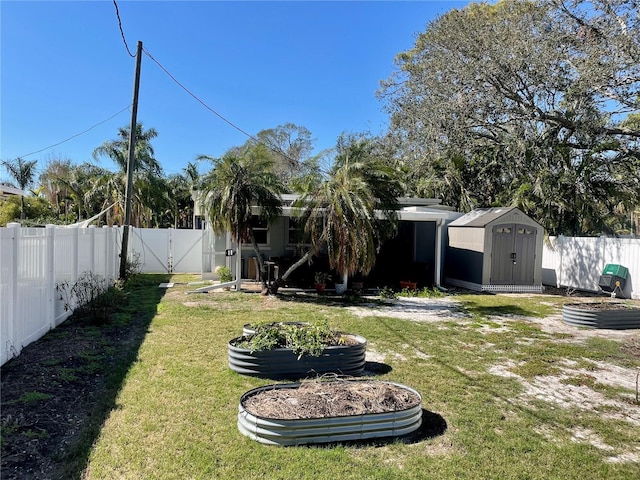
x=526, y=103
x=23, y=172
x=353, y=209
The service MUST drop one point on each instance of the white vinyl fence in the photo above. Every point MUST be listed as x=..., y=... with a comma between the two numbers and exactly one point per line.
x=32, y=262
x=578, y=262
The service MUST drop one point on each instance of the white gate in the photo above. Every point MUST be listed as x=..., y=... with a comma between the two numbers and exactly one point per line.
x=167, y=250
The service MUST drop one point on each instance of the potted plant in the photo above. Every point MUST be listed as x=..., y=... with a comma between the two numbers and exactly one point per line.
x=408, y=285
x=321, y=281
x=341, y=287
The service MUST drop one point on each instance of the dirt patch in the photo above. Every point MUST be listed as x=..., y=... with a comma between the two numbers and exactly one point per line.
x=565, y=389
x=321, y=399
x=557, y=389
x=55, y=392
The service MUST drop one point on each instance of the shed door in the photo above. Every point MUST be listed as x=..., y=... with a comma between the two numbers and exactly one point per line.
x=513, y=254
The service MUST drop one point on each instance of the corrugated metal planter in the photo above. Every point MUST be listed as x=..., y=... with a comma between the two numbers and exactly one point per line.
x=327, y=429
x=283, y=363
x=617, y=317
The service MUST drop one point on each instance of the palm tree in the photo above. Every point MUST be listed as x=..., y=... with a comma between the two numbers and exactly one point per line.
x=191, y=175
x=240, y=180
x=118, y=150
x=52, y=183
x=146, y=171
x=354, y=209
x=104, y=188
x=23, y=172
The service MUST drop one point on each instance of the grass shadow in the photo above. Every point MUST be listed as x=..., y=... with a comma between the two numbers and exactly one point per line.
x=371, y=369
x=144, y=298
x=79, y=368
x=501, y=310
x=330, y=300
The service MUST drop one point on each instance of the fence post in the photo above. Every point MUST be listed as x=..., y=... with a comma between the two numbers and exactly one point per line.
x=50, y=235
x=114, y=264
x=561, y=246
x=13, y=323
x=92, y=248
x=76, y=254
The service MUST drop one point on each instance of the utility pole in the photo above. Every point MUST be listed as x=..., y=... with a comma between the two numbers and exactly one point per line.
x=130, y=164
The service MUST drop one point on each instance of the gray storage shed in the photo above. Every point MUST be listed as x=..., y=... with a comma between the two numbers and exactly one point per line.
x=495, y=249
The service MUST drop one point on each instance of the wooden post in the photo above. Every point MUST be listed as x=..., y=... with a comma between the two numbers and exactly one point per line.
x=130, y=164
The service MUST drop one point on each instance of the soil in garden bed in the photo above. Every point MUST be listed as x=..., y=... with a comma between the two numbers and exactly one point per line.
x=603, y=306
x=320, y=399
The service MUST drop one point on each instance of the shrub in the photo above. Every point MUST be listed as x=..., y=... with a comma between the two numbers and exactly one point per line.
x=424, y=293
x=322, y=277
x=91, y=296
x=224, y=274
x=386, y=292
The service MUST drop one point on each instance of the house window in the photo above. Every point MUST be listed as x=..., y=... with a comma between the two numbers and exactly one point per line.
x=295, y=233
x=260, y=230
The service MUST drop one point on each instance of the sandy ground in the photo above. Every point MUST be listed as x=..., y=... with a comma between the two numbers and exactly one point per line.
x=549, y=388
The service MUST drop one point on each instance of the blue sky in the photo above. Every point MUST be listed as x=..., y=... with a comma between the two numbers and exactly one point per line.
x=64, y=69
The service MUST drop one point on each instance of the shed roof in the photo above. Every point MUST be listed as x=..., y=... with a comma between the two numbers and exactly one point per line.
x=481, y=217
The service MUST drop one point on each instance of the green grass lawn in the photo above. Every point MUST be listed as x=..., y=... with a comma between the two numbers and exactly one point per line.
x=175, y=414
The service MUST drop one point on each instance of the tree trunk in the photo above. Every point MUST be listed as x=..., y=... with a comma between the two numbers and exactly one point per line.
x=304, y=259
x=263, y=268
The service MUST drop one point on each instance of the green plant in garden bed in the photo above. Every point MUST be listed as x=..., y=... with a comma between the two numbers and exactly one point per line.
x=303, y=339
x=31, y=397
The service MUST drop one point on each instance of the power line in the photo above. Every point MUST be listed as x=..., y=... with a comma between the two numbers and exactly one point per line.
x=121, y=30
x=76, y=135
x=198, y=99
x=277, y=151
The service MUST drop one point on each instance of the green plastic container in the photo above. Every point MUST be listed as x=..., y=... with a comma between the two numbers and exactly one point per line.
x=616, y=270
x=613, y=276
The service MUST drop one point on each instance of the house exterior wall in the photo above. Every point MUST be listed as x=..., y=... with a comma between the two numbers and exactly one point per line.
x=277, y=248
x=425, y=237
